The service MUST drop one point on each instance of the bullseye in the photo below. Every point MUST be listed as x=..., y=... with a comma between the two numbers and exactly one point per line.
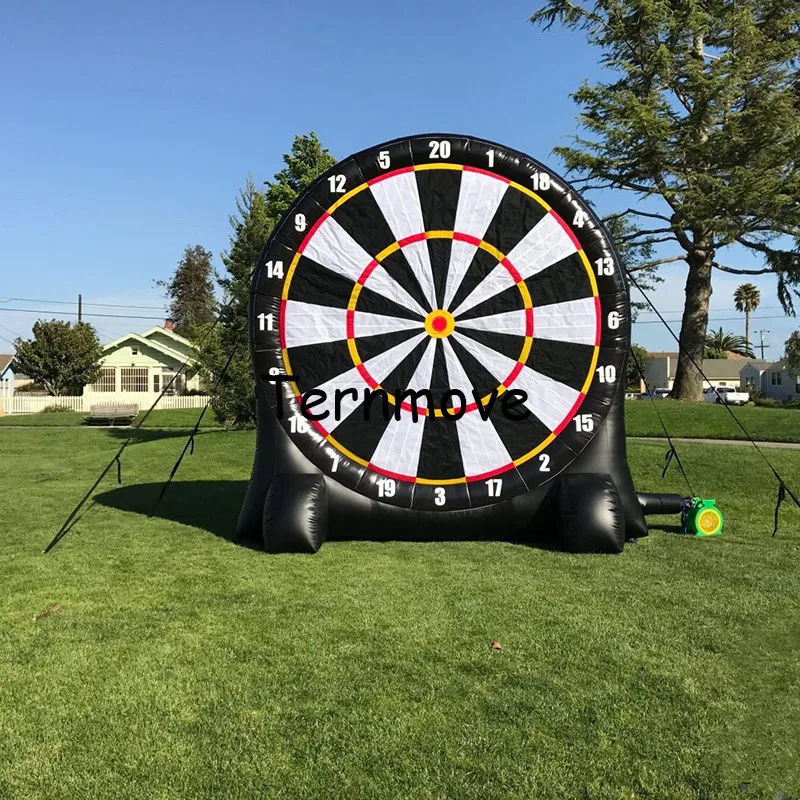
x=439, y=323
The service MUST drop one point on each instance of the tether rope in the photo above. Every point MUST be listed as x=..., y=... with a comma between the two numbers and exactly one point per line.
x=66, y=526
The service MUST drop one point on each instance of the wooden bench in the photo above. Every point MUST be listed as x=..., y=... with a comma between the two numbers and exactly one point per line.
x=112, y=414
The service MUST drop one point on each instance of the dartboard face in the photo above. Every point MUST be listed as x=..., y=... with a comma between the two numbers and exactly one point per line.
x=456, y=266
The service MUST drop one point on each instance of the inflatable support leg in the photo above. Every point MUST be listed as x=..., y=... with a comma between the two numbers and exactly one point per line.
x=295, y=514
x=592, y=519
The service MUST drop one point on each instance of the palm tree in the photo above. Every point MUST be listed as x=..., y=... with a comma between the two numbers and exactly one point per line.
x=719, y=344
x=747, y=297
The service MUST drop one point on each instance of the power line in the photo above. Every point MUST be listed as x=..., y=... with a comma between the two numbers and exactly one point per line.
x=72, y=303
x=718, y=311
x=716, y=319
x=10, y=331
x=75, y=313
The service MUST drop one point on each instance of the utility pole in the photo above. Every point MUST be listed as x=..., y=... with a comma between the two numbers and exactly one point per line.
x=762, y=346
x=80, y=308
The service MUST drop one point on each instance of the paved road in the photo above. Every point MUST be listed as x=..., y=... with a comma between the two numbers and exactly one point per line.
x=741, y=442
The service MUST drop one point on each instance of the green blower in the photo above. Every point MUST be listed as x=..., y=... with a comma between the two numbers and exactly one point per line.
x=701, y=517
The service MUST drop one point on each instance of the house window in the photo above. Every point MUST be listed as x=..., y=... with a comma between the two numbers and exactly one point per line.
x=776, y=378
x=723, y=383
x=748, y=382
x=797, y=388
x=107, y=381
x=134, y=351
x=133, y=379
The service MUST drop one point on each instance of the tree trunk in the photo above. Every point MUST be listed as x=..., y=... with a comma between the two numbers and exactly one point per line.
x=747, y=326
x=688, y=381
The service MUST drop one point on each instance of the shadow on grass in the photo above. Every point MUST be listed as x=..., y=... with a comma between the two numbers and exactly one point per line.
x=144, y=435
x=214, y=506
x=210, y=505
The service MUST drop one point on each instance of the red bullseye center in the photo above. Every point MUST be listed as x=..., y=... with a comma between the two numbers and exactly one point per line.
x=439, y=323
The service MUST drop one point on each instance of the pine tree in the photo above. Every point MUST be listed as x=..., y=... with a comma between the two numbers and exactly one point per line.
x=191, y=292
x=747, y=299
x=257, y=213
x=701, y=120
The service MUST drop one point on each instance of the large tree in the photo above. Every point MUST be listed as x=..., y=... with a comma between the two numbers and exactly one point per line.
x=257, y=213
x=792, y=355
x=700, y=119
x=190, y=292
x=62, y=357
x=747, y=299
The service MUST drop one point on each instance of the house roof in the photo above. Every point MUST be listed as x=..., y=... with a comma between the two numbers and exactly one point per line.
x=754, y=362
x=154, y=343
x=5, y=362
x=717, y=368
x=168, y=332
x=776, y=366
x=662, y=355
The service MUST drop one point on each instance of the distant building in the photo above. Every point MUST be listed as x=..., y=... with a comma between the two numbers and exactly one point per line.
x=10, y=380
x=144, y=363
x=776, y=382
x=661, y=369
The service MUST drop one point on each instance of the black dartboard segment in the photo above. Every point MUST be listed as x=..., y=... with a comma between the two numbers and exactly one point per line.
x=428, y=265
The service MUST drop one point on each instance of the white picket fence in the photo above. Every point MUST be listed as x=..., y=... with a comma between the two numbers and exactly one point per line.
x=20, y=404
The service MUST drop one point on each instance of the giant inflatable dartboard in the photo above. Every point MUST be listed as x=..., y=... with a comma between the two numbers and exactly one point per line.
x=439, y=263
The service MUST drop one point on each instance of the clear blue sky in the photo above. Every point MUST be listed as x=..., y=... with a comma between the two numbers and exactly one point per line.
x=129, y=127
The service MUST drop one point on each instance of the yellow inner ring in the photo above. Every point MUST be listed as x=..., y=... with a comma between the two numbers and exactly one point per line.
x=435, y=333
x=443, y=235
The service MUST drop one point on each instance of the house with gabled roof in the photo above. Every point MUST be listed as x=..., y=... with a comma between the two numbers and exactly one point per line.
x=144, y=363
x=778, y=383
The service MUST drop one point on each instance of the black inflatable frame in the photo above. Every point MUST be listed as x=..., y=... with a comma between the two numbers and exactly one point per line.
x=292, y=506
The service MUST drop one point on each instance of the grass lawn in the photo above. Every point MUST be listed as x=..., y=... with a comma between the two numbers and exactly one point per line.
x=710, y=421
x=184, y=666
x=168, y=418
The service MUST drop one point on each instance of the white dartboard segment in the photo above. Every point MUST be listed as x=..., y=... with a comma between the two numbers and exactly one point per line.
x=573, y=321
x=399, y=448
x=510, y=322
x=309, y=323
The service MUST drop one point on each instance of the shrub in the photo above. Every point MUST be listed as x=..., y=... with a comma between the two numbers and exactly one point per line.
x=768, y=402
x=54, y=409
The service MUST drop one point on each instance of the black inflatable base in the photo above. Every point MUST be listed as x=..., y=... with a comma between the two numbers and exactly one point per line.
x=591, y=507
x=591, y=514
x=296, y=514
